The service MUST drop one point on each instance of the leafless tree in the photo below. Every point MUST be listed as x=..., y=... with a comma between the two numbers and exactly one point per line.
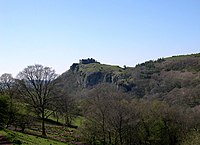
x=36, y=84
x=66, y=107
x=106, y=114
x=96, y=109
x=7, y=84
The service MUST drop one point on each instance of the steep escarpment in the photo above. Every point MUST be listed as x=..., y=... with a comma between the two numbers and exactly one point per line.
x=92, y=73
x=175, y=79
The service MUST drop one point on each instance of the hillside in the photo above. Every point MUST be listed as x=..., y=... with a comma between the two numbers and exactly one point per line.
x=175, y=79
x=155, y=102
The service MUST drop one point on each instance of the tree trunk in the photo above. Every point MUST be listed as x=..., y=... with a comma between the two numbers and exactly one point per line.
x=104, y=134
x=43, y=125
x=57, y=117
x=110, y=142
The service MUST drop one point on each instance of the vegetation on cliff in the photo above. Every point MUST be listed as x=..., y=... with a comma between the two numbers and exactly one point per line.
x=154, y=103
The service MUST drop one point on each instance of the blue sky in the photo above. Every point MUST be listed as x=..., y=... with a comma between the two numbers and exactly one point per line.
x=57, y=33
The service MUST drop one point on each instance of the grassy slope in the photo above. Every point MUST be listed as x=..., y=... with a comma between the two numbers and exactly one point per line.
x=28, y=139
x=95, y=67
x=183, y=56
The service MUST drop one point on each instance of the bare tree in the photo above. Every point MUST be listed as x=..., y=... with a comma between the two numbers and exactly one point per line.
x=67, y=107
x=96, y=110
x=107, y=115
x=7, y=84
x=36, y=84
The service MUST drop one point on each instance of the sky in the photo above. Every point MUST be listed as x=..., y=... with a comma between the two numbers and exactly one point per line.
x=57, y=33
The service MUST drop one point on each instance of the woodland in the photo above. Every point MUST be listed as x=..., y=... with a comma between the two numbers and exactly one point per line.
x=154, y=103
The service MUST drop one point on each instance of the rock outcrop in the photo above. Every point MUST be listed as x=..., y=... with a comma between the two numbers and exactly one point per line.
x=170, y=79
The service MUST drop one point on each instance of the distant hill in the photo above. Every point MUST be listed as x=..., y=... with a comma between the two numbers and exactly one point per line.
x=174, y=79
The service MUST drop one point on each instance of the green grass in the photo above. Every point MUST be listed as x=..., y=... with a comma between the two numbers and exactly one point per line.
x=26, y=139
x=78, y=121
x=94, y=67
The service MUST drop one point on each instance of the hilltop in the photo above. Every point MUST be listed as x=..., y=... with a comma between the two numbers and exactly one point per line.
x=155, y=102
x=174, y=79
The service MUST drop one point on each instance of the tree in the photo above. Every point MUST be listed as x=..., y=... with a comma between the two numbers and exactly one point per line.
x=8, y=88
x=4, y=110
x=36, y=84
x=66, y=107
x=7, y=84
x=96, y=111
x=107, y=115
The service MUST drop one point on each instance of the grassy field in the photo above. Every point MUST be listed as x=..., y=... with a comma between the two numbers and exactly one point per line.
x=25, y=139
x=56, y=134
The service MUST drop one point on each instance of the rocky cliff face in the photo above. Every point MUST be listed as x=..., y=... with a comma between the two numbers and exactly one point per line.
x=174, y=78
x=90, y=74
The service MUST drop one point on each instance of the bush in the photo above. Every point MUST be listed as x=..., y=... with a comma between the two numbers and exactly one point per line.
x=192, y=138
x=17, y=142
x=4, y=111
